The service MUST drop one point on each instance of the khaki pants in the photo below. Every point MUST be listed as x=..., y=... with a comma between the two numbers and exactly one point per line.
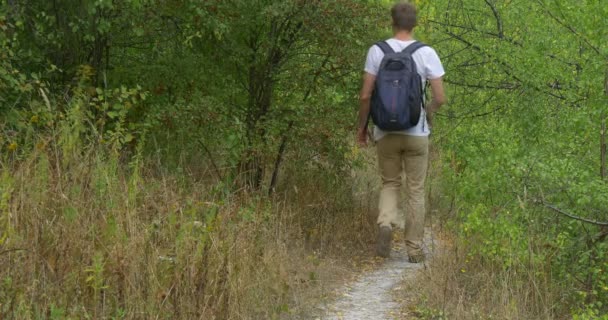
x=398, y=154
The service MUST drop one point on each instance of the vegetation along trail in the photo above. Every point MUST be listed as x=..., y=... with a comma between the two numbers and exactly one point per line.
x=189, y=159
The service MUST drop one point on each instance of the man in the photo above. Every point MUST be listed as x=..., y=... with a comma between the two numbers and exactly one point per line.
x=402, y=151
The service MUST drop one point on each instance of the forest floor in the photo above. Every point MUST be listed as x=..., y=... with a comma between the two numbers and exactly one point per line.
x=381, y=290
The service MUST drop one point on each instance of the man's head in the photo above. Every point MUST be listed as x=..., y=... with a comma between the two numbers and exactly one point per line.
x=404, y=16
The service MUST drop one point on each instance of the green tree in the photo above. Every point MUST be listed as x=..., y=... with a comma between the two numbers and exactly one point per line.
x=271, y=61
x=527, y=85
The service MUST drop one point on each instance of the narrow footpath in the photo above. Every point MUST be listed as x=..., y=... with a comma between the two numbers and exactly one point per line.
x=371, y=296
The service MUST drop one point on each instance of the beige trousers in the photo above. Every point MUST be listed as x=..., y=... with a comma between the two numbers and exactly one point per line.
x=399, y=154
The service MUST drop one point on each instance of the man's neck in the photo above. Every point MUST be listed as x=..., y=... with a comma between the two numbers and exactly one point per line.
x=403, y=35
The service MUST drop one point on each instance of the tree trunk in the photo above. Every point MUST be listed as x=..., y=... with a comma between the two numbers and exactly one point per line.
x=260, y=99
x=603, y=133
x=603, y=148
x=279, y=160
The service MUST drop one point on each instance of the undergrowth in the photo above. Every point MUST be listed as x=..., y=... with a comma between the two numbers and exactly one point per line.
x=516, y=260
x=101, y=228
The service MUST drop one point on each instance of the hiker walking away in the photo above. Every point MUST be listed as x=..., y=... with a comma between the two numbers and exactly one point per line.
x=396, y=71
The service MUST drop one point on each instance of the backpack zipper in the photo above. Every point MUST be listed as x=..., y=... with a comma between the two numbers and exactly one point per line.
x=395, y=91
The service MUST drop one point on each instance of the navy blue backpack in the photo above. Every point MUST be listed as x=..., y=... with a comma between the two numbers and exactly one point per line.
x=398, y=95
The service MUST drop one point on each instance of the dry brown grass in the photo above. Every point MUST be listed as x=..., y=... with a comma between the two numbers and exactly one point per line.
x=456, y=284
x=459, y=285
x=89, y=237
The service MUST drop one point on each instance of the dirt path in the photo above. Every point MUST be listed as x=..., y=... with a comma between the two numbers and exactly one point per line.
x=371, y=296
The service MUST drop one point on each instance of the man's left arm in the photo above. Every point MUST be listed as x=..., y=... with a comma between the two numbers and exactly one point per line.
x=438, y=99
x=364, y=108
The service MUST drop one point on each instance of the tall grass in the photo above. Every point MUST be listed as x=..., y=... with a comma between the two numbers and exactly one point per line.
x=461, y=283
x=89, y=232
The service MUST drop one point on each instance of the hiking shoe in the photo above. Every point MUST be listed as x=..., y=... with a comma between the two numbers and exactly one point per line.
x=416, y=258
x=415, y=253
x=383, y=246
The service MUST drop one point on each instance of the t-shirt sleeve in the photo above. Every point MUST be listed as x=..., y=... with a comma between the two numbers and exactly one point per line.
x=374, y=58
x=432, y=64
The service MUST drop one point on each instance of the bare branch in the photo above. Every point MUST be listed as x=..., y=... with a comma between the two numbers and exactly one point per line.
x=506, y=68
x=572, y=216
x=513, y=86
x=571, y=29
x=499, y=27
x=215, y=167
x=471, y=28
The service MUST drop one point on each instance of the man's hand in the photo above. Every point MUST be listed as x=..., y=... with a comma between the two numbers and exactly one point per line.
x=362, y=137
x=429, y=118
x=431, y=111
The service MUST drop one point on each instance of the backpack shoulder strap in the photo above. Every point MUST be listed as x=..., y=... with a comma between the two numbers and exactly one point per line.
x=385, y=47
x=413, y=47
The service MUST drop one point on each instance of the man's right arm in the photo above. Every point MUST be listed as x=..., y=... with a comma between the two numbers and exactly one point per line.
x=364, y=107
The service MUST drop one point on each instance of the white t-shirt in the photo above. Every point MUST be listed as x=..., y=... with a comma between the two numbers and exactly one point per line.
x=429, y=67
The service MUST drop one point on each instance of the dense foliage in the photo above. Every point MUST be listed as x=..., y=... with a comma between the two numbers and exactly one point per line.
x=521, y=139
x=245, y=75
x=142, y=143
